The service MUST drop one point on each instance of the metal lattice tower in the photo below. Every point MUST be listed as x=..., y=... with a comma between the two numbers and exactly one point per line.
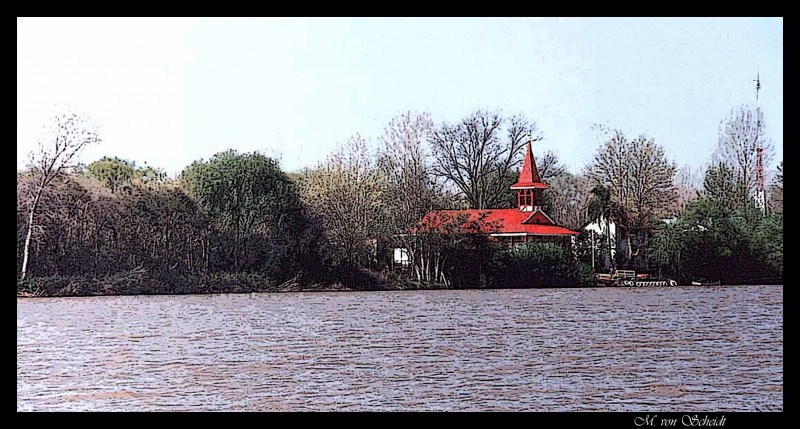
x=761, y=195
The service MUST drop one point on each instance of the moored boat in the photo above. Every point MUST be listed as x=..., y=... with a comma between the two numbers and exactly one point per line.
x=705, y=283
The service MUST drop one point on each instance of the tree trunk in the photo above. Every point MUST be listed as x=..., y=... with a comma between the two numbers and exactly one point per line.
x=630, y=247
x=610, y=248
x=26, y=251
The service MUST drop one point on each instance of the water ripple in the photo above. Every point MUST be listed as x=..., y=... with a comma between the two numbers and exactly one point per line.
x=700, y=349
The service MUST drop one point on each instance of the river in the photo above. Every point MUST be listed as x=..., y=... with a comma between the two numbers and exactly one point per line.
x=674, y=349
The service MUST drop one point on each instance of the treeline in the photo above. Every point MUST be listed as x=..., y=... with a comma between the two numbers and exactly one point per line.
x=724, y=236
x=237, y=222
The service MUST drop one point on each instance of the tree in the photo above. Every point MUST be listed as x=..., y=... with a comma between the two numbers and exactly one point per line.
x=777, y=189
x=452, y=248
x=688, y=182
x=480, y=154
x=114, y=173
x=740, y=136
x=721, y=186
x=346, y=193
x=411, y=190
x=603, y=208
x=245, y=195
x=567, y=198
x=550, y=167
x=637, y=173
x=709, y=242
x=640, y=178
x=120, y=174
x=666, y=247
x=540, y=265
x=64, y=137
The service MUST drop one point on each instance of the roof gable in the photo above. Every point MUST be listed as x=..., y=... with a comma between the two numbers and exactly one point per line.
x=539, y=217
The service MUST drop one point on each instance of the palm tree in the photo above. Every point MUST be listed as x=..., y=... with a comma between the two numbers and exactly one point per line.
x=602, y=207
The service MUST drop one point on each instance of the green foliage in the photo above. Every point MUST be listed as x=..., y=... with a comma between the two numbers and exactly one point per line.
x=709, y=241
x=256, y=209
x=540, y=265
x=722, y=187
x=585, y=274
x=122, y=175
x=777, y=190
x=721, y=237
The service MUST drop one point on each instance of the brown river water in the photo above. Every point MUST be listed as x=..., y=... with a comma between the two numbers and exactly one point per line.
x=671, y=349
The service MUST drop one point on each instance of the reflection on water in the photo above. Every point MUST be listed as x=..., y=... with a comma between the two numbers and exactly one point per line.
x=698, y=349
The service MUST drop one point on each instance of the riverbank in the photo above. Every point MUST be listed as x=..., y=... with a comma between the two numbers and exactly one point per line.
x=142, y=282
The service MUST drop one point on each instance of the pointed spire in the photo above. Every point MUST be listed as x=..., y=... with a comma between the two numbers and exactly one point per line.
x=529, y=176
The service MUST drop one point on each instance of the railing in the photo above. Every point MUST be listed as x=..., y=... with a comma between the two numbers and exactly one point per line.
x=625, y=274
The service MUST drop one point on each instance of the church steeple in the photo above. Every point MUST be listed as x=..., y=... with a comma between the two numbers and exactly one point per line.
x=529, y=186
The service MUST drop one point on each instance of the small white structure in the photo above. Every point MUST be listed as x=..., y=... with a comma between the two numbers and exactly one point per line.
x=400, y=257
x=599, y=230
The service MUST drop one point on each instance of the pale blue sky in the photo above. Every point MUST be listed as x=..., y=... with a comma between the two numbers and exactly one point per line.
x=170, y=91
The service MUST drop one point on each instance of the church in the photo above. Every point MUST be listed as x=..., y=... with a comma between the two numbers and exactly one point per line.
x=526, y=223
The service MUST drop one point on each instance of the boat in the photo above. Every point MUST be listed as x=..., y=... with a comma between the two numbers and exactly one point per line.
x=716, y=283
x=629, y=278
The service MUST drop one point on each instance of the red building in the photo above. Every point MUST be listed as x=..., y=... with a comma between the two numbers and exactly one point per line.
x=525, y=223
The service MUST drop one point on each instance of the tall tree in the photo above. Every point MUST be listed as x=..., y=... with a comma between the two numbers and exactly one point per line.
x=479, y=154
x=567, y=198
x=722, y=187
x=63, y=138
x=638, y=173
x=121, y=174
x=688, y=182
x=245, y=194
x=411, y=190
x=740, y=136
x=346, y=192
x=114, y=173
x=641, y=178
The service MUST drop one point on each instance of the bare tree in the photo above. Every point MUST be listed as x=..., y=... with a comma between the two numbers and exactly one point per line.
x=740, y=135
x=567, y=199
x=64, y=137
x=638, y=173
x=346, y=192
x=480, y=153
x=549, y=167
x=688, y=182
x=410, y=187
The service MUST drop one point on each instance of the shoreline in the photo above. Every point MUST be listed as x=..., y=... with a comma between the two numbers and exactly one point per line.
x=388, y=287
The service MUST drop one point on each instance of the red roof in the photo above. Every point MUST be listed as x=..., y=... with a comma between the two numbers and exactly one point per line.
x=529, y=176
x=494, y=221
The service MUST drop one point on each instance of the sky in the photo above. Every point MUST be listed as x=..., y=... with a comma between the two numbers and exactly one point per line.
x=169, y=91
